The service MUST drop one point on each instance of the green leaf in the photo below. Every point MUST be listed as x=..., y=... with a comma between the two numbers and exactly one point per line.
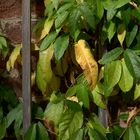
x=78, y=135
x=3, y=42
x=42, y=133
x=18, y=123
x=87, y=14
x=31, y=133
x=12, y=115
x=98, y=99
x=60, y=46
x=74, y=21
x=136, y=131
x=110, y=14
x=111, y=55
x=8, y=95
x=56, y=3
x=71, y=91
x=82, y=95
x=61, y=19
x=100, y=9
x=1, y=113
x=70, y=123
x=111, y=30
x=53, y=112
x=2, y=128
x=120, y=3
x=129, y=134
x=126, y=80
x=93, y=123
x=48, y=40
x=44, y=71
x=132, y=62
x=64, y=7
x=94, y=135
x=131, y=36
x=114, y=73
x=137, y=92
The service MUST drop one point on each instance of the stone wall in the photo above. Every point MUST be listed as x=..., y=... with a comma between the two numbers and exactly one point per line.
x=10, y=17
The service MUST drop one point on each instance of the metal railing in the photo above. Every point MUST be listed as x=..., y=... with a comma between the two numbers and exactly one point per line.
x=26, y=63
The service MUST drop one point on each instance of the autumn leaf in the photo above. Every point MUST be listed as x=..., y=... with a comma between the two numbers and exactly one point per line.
x=47, y=27
x=13, y=57
x=121, y=34
x=87, y=62
x=44, y=71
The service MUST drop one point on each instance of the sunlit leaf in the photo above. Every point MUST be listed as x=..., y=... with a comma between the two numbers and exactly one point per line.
x=129, y=134
x=137, y=92
x=70, y=123
x=100, y=9
x=78, y=135
x=136, y=131
x=42, y=133
x=31, y=133
x=53, y=112
x=87, y=62
x=121, y=34
x=98, y=99
x=47, y=27
x=111, y=55
x=13, y=57
x=44, y=71
x=126, y=80
x=111, y=30
x=46, y=2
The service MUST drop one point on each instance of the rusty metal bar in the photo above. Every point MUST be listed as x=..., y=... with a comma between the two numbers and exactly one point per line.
x=26, y=63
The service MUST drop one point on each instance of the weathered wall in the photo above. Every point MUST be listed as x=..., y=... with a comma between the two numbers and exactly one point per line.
x=10, y=17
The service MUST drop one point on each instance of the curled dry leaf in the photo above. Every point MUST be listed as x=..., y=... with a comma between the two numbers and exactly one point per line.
x=87, y=62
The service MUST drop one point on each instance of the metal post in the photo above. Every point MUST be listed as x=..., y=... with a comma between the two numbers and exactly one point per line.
x=26, y=63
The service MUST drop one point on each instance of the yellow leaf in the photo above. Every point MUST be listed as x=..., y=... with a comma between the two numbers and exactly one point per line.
x=44, y=71
x=121, y=34
x=47, y=27
x=87, y=62
x=46, y=2
x=13, y=57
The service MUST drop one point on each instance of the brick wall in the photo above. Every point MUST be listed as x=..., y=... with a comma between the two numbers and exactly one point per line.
x=10, y=18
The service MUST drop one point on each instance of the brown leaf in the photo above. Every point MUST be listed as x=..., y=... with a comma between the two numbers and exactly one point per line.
x=87, y=62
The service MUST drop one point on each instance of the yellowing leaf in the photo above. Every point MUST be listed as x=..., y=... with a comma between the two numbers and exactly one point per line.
x=46, y=2
x=87, y=62
x=47, y=26
x=121, y=34
x=13, y=57
x=44, y=72
x=126, y=81
x=137, y=91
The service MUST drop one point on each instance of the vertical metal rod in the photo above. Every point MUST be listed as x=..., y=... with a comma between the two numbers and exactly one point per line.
x=26, y=63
